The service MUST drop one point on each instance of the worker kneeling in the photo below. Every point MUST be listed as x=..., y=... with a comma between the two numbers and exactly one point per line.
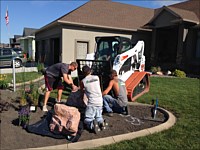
x=93, y=113
x=119, y=102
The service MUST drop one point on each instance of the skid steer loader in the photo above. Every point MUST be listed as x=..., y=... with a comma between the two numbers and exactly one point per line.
x=118, y=53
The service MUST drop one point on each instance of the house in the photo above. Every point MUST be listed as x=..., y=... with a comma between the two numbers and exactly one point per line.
x=14, y=42
x=27, y=42
x=171, y=33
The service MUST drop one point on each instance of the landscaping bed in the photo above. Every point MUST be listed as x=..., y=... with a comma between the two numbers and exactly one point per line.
x=15, y=137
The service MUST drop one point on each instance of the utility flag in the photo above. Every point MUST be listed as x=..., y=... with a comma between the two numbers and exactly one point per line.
x=7, y=17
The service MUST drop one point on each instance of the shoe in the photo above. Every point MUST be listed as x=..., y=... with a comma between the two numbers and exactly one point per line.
x=96, y=127
x=103, y=125
x=56, y=100
x=125, y=110
x=44, y=108
x=110, y=114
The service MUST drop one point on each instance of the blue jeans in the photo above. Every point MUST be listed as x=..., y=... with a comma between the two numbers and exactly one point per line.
x=110, y=104
x=92, y=113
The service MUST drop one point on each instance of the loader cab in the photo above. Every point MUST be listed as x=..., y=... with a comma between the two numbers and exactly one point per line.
x=107, y=48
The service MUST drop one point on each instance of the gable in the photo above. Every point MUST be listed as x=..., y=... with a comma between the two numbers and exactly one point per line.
x=165, y=18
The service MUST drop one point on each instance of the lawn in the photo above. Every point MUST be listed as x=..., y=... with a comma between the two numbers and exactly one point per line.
x=181, y=96
x=22, y=77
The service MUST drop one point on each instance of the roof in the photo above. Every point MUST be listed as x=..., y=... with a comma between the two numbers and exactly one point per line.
x=109, y=14
x=115, y=15
x=179, y=13
x=29, y=31
x=191, y=5
x=185, y=14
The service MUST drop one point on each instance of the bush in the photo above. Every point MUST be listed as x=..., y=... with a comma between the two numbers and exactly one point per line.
x=179, y=73
x=154, y=70
x=40, y=67
x=3, y=84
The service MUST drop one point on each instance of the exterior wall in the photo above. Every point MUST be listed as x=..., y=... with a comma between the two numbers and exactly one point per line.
x=22, y=44
x=192, y=61
x=44, y=50
x=70, y=36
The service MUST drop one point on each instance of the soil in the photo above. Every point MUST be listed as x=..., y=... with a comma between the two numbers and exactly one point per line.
x=14, y=136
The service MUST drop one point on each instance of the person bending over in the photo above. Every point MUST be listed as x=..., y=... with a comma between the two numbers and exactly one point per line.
x=119, y=102
x=90, y=84
x=53, y=79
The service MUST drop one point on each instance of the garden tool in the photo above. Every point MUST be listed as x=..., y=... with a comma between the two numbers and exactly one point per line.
x=154, y=112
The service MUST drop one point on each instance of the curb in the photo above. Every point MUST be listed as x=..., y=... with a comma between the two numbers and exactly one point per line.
x=28, y=82
x=89, y=144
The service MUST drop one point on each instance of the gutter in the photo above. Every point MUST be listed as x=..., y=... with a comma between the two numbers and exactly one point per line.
x=97, y=26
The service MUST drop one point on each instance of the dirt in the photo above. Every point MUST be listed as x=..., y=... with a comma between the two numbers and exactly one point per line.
x=14, y=136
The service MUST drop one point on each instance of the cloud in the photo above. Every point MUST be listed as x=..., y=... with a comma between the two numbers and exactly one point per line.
x=160, y=3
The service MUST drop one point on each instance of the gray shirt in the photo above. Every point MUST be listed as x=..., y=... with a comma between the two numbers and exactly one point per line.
x=92, y=90
x=57, y=70
x=122, y=99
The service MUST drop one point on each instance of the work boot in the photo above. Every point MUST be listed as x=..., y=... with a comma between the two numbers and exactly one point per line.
x=96, y=128
x=103, y=125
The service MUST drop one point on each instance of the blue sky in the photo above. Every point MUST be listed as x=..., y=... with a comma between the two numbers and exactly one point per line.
x=36, y=14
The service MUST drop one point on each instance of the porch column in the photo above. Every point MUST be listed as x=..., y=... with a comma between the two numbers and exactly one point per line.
x=153, y=47
x=179, y=55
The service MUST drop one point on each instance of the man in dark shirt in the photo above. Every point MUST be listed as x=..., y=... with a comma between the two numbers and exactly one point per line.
x=53, y=79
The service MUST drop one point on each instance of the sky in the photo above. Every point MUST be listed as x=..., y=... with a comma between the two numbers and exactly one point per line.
x=36, y=14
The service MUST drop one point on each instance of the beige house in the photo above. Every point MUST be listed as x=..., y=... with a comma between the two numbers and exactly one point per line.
x=171, y=33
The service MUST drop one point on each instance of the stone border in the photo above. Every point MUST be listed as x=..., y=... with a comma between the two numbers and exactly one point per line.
x=89, y=144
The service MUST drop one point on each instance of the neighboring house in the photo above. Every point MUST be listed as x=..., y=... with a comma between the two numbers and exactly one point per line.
x=171, y=34
x=27, y=42
x=14, y=42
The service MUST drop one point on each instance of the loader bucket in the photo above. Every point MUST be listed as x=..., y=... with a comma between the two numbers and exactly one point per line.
x=137, y=84
x=99, y=67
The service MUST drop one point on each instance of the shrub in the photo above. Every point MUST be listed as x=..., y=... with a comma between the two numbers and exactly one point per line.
x=3, y=84
x=179, y=73
x=154, y=69
x=40, y=67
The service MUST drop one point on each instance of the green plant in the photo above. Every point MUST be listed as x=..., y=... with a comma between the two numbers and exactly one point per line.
x=155, y=69
x=179, y=73
x=40, y=67
x=23, y=98
x=3, y=84
x=35, y=97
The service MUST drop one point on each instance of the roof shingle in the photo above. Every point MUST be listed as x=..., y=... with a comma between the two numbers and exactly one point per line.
x=111, y=14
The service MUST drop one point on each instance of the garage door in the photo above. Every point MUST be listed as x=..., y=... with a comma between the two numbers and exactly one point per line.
x=82, y=49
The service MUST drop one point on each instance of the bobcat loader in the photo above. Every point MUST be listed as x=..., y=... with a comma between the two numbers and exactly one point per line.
x=118, y=53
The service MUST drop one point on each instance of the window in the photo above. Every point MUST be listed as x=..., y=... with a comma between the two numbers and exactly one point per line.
x=125, y=46
x=7, y=52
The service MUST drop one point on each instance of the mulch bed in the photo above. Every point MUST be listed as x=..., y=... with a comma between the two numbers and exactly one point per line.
x=14, y=137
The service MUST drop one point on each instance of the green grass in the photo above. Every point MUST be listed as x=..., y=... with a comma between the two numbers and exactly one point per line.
x=181, y=96
x=22, y=77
